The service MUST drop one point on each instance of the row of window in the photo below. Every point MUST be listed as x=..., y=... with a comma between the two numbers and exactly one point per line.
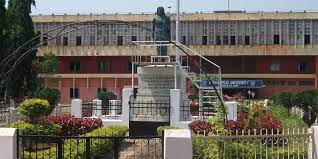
x=289, y=83
x=303, y=66
x=102, y=67
x=263, y=32
x=224, y=40
x=78, y=41
x=105, y=66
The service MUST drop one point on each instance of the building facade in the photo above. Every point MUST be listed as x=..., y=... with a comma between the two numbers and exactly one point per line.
x=281, y=49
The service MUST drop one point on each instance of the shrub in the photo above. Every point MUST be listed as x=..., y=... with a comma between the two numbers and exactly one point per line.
x=204, y=147
x=104, y=97
x=308, y=102
x=75, y=148
x=288, y=120
x=160, y=129
x=285, y=99
x=259, y=120
x=201, y=127
x=34, y=108
x=51, y=95
x=71, y=126
x=36, y=128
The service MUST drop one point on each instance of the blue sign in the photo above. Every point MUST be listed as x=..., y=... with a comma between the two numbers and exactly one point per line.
x=233, y=83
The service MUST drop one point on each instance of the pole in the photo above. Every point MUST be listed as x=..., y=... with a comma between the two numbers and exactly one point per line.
x=177, y=31
x=177, y=40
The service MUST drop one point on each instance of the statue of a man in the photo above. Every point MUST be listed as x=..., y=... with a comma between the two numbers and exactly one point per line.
x=162, y=27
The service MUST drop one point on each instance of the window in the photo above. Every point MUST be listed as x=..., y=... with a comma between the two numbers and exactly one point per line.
x=292, y=83
x=104, y=66
x=276, y=39
x=119, y=40
x=134, y=38
x=275, y=66
x=204, y=40
x=105, y=40
x=58, y=41
x=74, y=93
x=78, y=41
x=148, y=38
x=184, y=40
x=307, y=39
x=130, y=67
x=233, y=40
x=306, y=83
x=247, y=40
x=303, y=66
x=218, y=40
x=65, y=41
x=100, y=89
x=225, y=40
x=274, y=83
x=75, y=66
x=92, y=40
x=44, y=40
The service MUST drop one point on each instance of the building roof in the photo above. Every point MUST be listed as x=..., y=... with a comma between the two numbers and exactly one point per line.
x=183, y=17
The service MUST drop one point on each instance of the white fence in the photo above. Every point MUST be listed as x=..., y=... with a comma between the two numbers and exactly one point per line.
x=9, y=116
x=299, y=112
x=288, y=144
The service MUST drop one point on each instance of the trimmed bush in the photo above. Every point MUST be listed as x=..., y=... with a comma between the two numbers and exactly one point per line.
x=71, y=126
x=201, y=127
x=160, y=129
x=36, y=128
x=75, y=148
x=34, y=108
x=52, y=95
x=259, y=120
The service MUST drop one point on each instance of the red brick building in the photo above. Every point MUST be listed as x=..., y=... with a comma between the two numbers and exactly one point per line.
x=278, y=48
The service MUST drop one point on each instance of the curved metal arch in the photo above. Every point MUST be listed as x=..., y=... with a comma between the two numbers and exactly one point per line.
x=6, y=75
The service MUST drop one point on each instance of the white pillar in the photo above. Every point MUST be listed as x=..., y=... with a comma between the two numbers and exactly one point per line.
x=177, y=144
x=127, y=93
x=231, y=108
x=8, y=143
x=175, y=107
x=97, y=105
x=76, y=108
x=313, y=148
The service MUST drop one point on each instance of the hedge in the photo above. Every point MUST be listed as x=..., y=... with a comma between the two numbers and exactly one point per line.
x=75, y=149
x=212, y=148
x=36, y=128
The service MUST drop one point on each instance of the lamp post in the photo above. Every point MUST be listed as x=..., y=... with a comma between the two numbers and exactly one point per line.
x=177, y=31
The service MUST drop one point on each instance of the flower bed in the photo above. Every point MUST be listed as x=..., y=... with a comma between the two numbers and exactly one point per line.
x=71, y=126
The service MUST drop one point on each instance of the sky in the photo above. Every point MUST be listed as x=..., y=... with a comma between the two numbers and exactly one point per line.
x=149, y=6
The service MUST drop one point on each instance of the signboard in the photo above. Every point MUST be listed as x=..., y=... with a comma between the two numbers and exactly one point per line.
x=233, y=84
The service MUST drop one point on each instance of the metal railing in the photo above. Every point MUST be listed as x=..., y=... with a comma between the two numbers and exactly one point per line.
x=149, y=110
x=111, y=111
x=289, y=144
x=87, y=147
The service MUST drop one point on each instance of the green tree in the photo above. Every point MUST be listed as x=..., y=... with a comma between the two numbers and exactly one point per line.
x=52, y=95
x=308, y=102
x=2, y=28
x=20, y=30
x=285, y=99
x=2, y=36
x=50, y=63
x=104, y=97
